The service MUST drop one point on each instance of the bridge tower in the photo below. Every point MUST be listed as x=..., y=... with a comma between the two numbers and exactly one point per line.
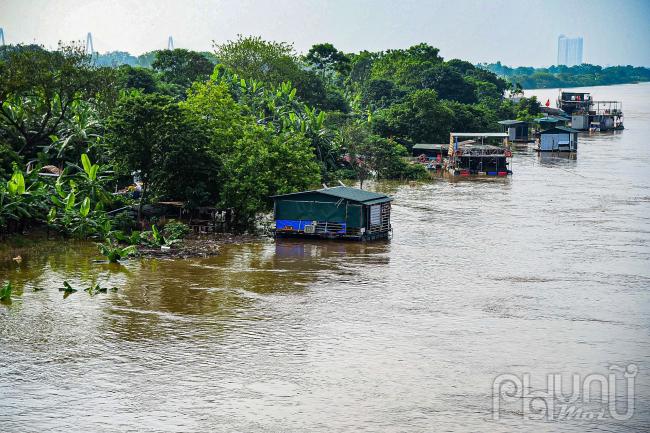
x=170, y=43
x=89, y=44
x=2, y=37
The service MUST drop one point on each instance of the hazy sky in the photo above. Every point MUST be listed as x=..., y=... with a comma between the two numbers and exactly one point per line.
x=515, y=32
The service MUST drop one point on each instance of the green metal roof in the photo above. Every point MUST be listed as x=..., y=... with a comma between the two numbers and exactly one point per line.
x=377, y=201
x=348, y=193
x=354, y=194
x=510, y=122
x=559, y=128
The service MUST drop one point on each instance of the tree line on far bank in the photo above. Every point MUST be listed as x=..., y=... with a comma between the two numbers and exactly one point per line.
x=228, y=129
x=563, y=76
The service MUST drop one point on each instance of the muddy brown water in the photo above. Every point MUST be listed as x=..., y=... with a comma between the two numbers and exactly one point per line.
x=545, y=272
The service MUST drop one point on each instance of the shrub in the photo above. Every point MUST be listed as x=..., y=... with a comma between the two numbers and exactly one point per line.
x=124, y=222
x=174, y=230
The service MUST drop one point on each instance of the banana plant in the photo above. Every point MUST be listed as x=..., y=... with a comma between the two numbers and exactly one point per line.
x=79, y=131
x=155, y=238
x=21, y=199
x=76, y=217
x=91, y=179
x=96, y=288
x=280, y=108
x=114, y=253
x=67, y=289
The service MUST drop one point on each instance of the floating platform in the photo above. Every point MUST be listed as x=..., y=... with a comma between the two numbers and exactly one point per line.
x=333, y=213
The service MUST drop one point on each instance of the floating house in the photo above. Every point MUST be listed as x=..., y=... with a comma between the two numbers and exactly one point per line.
x=586, y=113
x=558, y=139
x=478, y=158
x=337, y=212
x=605, y=115
x=517, y=130
x=572, y=102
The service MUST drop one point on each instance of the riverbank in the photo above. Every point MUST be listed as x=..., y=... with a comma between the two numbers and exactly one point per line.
x=197, y=246
x=16, y=247
x=587, y=86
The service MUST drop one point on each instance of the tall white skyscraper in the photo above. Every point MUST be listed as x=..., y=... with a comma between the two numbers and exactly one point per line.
x=569, y=51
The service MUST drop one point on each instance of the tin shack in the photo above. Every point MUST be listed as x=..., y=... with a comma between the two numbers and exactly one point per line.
x=559, y=139
x=517, y=130
x=338, y=212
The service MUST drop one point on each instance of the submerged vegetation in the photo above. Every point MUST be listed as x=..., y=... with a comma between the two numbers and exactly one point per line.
x=225, y=130
x=114, y=253
x=5, y=292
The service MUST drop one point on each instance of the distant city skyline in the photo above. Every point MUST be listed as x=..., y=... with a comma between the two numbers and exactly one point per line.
x=517, y=33
x=569, y=51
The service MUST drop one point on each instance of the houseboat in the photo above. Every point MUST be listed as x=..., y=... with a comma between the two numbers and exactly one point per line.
x=607, y=115
x=588, y=114
x=479, y=158
x=558, y=139
x=571, y=102
x=517, y=130
x=333, y=213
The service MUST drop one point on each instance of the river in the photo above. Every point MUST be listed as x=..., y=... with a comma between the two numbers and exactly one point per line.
x=545, y=272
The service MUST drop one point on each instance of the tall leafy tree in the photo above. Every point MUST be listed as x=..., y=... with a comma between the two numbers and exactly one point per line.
x=325, y=58
x=182, y=67
x=273, y=63
x=420, y=118
x=213, y=105
x=263, y=163
x=253, y=57
x=38, y=89
x=136, y=77
x=152, y=135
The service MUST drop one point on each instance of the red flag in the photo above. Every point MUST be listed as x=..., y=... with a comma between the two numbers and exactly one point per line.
x=548, y=102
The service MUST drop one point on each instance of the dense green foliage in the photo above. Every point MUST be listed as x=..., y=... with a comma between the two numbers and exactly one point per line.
x=228, y=129
x=574, y=76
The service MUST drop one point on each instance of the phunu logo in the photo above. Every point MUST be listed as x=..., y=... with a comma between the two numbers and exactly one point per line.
x=589, y=398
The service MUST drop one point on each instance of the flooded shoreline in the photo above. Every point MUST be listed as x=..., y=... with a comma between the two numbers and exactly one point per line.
x=544, y=272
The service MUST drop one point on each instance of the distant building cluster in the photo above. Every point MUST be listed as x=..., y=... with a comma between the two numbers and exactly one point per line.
x=569, y=51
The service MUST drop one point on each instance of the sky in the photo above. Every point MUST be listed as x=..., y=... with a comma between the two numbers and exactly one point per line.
x=517, y=33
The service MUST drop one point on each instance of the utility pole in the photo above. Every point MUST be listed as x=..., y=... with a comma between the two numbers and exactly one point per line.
x=170, y=43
